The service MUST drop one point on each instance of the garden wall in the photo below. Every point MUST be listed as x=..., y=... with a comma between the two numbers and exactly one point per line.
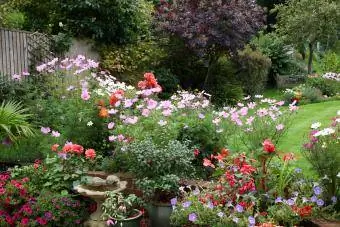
x=289, y=81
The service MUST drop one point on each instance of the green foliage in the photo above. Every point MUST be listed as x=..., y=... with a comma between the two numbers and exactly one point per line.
x=282, y=56
x=315, y=21
x=14, y=121
x=61, y=43
x=159, y=169
x=311, y=95
x=330, y=62
x=322, y=151
x=106, y=21
x=11, y=18
x=119, y=207
x=168, y=81
x=326, y=86
x=224, y=87
x=254, y=70
x=125, y=62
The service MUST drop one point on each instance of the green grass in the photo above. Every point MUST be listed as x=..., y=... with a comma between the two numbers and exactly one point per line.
x=298, y=132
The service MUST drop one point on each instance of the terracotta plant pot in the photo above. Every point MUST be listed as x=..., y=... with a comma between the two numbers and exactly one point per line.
x=131, y=222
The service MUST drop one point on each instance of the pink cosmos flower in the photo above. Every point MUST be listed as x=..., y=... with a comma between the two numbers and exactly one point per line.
x=167, y=112
x=45, y=130
x=112, y=138
x=120, y=137
x=41, y=68
x=216, y=121
x=111, y=125
x=281, y=103
x=166, y=104
x=250, y=120
x=16, y=77
x=151, y=104
x=25, y=73
x=131, y=120
x=262, y=112
x=85, y=95
x=55, y=134
x=279, y=127
x=128, y=103
x=243, y=111
x=145, y=112
x=251, y=105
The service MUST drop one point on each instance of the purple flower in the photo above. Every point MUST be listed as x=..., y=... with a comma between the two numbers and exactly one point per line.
x=45, y=130
x=298, y=170
x=278, y=200
x=48, y=215
x=186, y=204
x=210, y=205
x=201, y=116
x=290, y=202
x=239, y=208
x=192, y=217
x=251, y=220
x=320, y=202
x=334, y=199
x=62, y=155
x=313, y=199
x=317, y=190
x=173, y=201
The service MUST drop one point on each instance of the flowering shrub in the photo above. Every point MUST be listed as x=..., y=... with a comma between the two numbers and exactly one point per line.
x=322, y=151
x=62, y=170
x=237, y=196
x=21, y=206
x=331, y=76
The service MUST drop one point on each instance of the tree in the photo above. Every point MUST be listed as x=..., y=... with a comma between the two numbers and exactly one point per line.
x=211, y=28
x=308, y=21
x=271, y=16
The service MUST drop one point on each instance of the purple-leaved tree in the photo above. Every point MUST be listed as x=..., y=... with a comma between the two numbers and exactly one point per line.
x=211, y=28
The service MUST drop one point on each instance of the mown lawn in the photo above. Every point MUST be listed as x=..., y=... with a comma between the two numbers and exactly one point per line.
x=297, y=133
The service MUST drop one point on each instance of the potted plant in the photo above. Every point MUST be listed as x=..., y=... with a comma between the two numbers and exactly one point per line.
x=121, y=210
x=158, y=170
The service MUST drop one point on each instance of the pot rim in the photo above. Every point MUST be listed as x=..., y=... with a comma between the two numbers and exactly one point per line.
x=140, y=213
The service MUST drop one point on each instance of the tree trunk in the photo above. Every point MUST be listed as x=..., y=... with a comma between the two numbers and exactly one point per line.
x=210, y=63
x=310, y=59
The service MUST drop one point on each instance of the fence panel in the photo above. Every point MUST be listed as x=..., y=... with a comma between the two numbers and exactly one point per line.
x=20, y=50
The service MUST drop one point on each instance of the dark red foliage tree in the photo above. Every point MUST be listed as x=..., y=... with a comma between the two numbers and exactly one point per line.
x=211, y=27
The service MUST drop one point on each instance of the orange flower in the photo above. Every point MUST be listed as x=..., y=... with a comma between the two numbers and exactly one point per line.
x=101, y=102
x=90, y=153
x=103, y=113
x=55, y=147
x=288, y=157
x=224, y=152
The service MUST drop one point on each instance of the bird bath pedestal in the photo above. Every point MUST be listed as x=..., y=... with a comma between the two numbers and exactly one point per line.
x=95, y=188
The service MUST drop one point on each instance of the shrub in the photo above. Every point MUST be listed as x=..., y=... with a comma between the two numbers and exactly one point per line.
x=326, y=86
x=168, y=81
x=223, y=86
x=254, y=70
x=311, y=95
x=322, y=151
x=330, y=63
x=125, y=62
x=282, y=56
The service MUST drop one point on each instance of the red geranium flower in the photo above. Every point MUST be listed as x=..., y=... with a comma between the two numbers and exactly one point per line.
x=268, y=146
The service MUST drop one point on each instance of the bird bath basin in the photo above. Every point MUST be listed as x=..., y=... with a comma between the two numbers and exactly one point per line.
x=95, y=188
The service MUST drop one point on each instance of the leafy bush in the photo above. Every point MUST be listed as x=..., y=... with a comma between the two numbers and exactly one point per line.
x=322, y=151
x=223, y=86
x=125, y=62
x=159, y=168
x=11, y=18
x=168, y=81
x=311, y=95
x=282, y=56
x=129, y=19
x=330, y=62
x=326, y=86
x=254, y=70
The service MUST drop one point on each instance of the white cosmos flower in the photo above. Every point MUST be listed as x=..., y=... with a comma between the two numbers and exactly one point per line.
x=315, y=125
x=90, y=123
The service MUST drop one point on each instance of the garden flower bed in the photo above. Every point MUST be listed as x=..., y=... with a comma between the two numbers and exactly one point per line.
x=92, y=122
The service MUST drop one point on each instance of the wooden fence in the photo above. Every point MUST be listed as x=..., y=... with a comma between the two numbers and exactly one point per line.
x=22, y=50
